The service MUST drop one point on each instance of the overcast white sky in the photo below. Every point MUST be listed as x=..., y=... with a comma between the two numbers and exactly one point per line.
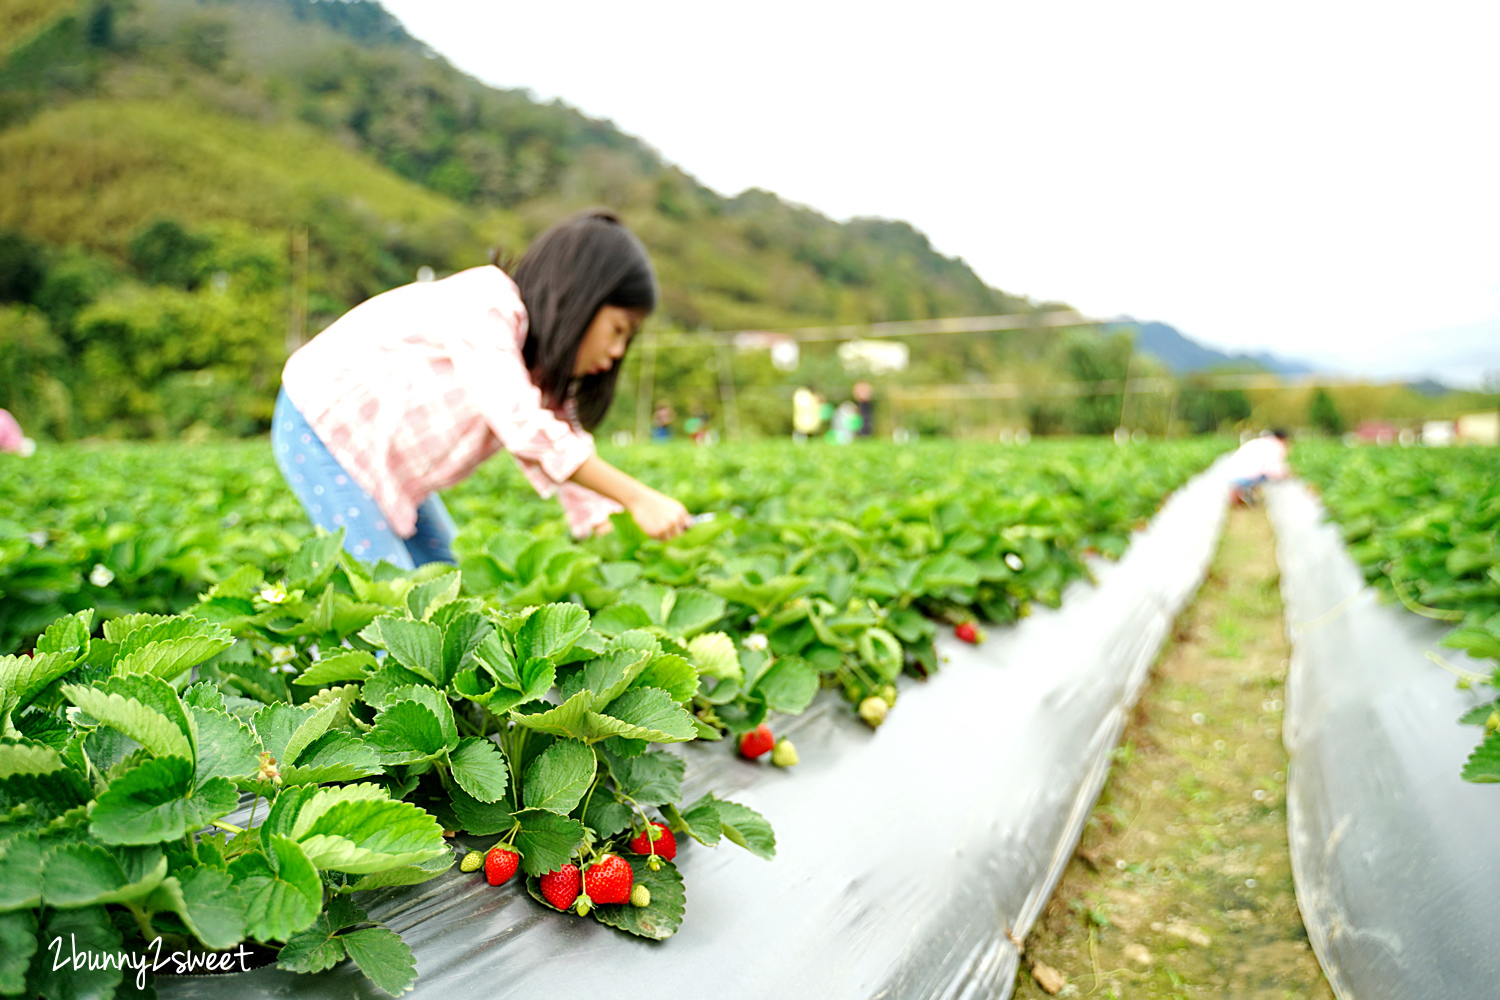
x=1321, y=180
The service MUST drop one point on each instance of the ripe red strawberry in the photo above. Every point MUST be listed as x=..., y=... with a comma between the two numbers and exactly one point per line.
x=561, y=888
x=609, y=880
x=665, y=845
x=500, y=864
x=967, y=632
x=758, y=742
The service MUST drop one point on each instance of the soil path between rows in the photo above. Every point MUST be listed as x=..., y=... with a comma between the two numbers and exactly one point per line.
x=1182, y=883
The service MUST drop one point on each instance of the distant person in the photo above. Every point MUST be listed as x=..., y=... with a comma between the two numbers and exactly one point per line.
x=844, y=425
x=1258, y=461
x=864, y=398
x=661, y=421
x=12, y=440
x=696, y=425
x=409, y=392
x=806, y=414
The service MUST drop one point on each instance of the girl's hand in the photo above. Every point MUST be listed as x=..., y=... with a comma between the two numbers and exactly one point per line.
x=659, y=515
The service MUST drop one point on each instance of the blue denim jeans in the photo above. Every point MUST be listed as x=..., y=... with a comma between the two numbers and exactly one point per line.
x=333, y=500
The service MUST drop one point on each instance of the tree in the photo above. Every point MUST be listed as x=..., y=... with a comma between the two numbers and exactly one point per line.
x=164, y=253
x=1324, y=414
x=21, y=268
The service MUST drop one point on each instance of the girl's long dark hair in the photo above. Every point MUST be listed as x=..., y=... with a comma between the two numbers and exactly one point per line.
x=578, y=265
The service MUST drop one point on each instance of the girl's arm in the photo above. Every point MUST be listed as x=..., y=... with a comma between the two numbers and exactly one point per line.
x=658, y=514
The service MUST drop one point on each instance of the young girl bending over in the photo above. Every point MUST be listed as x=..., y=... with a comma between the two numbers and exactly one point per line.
x=409, y=391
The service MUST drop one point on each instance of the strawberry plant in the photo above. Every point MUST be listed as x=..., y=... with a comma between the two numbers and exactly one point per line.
x=122, y=786
x=1424, y=526
x=245, y=771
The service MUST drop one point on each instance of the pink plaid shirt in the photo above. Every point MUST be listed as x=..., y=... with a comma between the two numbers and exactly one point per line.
x=415, y=387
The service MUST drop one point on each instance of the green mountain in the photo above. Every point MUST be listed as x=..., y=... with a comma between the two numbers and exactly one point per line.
x=163, y=164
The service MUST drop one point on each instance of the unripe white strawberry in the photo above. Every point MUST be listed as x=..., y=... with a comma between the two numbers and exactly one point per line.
x=783, y=754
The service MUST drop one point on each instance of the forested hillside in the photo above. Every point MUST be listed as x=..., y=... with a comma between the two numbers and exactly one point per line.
x=161, y=159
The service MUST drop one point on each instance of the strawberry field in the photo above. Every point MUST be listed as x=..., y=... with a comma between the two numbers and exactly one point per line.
x=1424, y=525
x=221, y=729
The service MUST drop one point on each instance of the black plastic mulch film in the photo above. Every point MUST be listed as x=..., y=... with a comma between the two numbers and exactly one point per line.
x=906, y=858
x=1396, y=859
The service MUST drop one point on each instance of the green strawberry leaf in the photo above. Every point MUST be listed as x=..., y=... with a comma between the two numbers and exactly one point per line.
x=334, y=756
x=19, y=758
x=82, y=874
x=557, y=779
x=226, y=746
x=550, y=631
x=157, y=801
x=481, y=818
x=788, y=685
x=208, y=903
x=416, y=645
x=69, y=634
x=461, y=637
x=22, y=678
x=380, y=689
x=747, y=828
x=88, y=931
x=714, y=655
x=701, y=820
x=1483, y=764
x=312, y=950
x=314, y=561
x=570, y=719
x=168, y=657
x=608, y=676
x=479, y=768
x=20, y=871
x=156, y=732
x=693, y=611
x=410, y=731
x=652, y=778
x=1476, y=641
x=353, y=665
x=383, y=957
x=547, y=841
x=404, y=875
x=280, y=889
x=17, y=944
x=366, y=835
x=657, y=921
x=672, y=674
x=425, y=598
x=645, y=714
x=606, y=817
x=621, y=617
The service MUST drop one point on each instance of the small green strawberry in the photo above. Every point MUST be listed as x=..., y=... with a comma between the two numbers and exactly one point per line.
x=783, y=754
x=640, y=896
x=471, y=862
x=873, y=710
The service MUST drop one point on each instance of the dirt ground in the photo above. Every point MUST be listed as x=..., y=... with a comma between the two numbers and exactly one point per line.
x=1182, y=885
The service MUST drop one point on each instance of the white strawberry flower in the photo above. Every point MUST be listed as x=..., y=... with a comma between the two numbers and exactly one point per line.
x=282, y=654
x=756, y=641
x=1014, y=562
x=101, y=576
x=273, y=595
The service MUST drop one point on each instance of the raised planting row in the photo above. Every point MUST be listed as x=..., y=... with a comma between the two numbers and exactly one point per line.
x=838, y=567
x=366, y=710
x=1424, y=526
x=135, y=528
